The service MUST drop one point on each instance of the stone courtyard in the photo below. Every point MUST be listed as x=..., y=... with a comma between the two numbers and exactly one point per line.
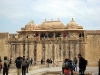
x=44, y=70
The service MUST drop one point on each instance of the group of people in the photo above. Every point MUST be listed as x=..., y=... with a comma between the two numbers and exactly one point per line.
x=49, y=62
x=69, y=66
x=22, y=64
x=5, y=66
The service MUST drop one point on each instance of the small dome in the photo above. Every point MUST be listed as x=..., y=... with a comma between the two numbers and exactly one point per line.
x=30, y=25
x=51, y=25
x=72, y=25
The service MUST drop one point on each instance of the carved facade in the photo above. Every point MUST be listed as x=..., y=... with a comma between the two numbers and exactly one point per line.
x=52, y=39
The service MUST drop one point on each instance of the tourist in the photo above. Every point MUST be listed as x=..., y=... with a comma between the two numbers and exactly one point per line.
x=24, y=65
x=28, y=63
x=75, y=64
x=42, y=61
x=82, y=64
x=50, y=62
x=18, y=65
x=0, y=66
x=10, y=61
x=67, y=70
x=31, y=61
x=47, y=62
x=71, y=67
x=99, y=67
x=5, y=66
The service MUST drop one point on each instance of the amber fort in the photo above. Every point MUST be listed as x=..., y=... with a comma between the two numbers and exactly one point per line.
x=52, y=39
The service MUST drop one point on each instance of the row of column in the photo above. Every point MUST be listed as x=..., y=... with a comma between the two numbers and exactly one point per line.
x=57, y=52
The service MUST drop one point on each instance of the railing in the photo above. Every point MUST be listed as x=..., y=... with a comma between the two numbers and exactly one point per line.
x=42, y=39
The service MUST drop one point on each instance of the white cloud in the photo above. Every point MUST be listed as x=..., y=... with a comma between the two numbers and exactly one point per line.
x=86, y=11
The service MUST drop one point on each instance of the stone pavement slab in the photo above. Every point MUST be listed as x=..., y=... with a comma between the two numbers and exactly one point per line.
x=93, y=70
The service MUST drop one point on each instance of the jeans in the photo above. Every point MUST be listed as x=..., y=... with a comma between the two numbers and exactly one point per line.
x=27, y=68
x=99, y=71
x=62, y=70
x=5, y=71
x=81, y=71
x=23, y=70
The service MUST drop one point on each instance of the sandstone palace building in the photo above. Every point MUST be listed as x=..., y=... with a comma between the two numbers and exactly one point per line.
x=52, y=39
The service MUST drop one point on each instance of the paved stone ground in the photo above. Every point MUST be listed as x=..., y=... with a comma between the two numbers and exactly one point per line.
x=93, y=70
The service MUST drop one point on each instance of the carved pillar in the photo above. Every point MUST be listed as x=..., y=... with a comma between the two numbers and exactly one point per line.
x=48, y=51
x=61, y=51
x=77, y=48
x=11, y=51
x=54, y=35
x=28, y=49
x=24, y=48
x=39, y=35
x=57, y=52
x=69, y=50
x=53, y=52
x=74, y=49
x=17, y=50
x=43, y=51
x=64, y=51
x=35, y=52
x=21, y=49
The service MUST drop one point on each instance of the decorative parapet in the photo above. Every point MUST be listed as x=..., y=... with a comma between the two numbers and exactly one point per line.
x=93, y=32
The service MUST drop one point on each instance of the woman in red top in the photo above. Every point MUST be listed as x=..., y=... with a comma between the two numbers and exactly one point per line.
x=0, y=67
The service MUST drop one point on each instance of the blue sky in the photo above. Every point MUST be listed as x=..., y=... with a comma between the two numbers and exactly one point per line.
x=15, y=14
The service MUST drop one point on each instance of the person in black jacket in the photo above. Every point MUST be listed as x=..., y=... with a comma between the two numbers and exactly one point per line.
x=99, y=67
x=5, y=66
x=82, y=64
x=18, y=65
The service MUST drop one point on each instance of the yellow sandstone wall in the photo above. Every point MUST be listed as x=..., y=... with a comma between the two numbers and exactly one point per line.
x=92, y=49
x=4, y=50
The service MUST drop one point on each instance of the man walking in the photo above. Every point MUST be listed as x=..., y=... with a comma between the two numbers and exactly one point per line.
x=99, y=67
x=18, y=65
x=75, y=64
x=5, y=66
x=28, y=63
x=24, y=65
x=82, y=64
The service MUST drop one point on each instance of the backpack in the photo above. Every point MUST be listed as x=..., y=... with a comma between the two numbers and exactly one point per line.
x=67, y=65
x=85, y=62
x=24, y=62
x=5, y=65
